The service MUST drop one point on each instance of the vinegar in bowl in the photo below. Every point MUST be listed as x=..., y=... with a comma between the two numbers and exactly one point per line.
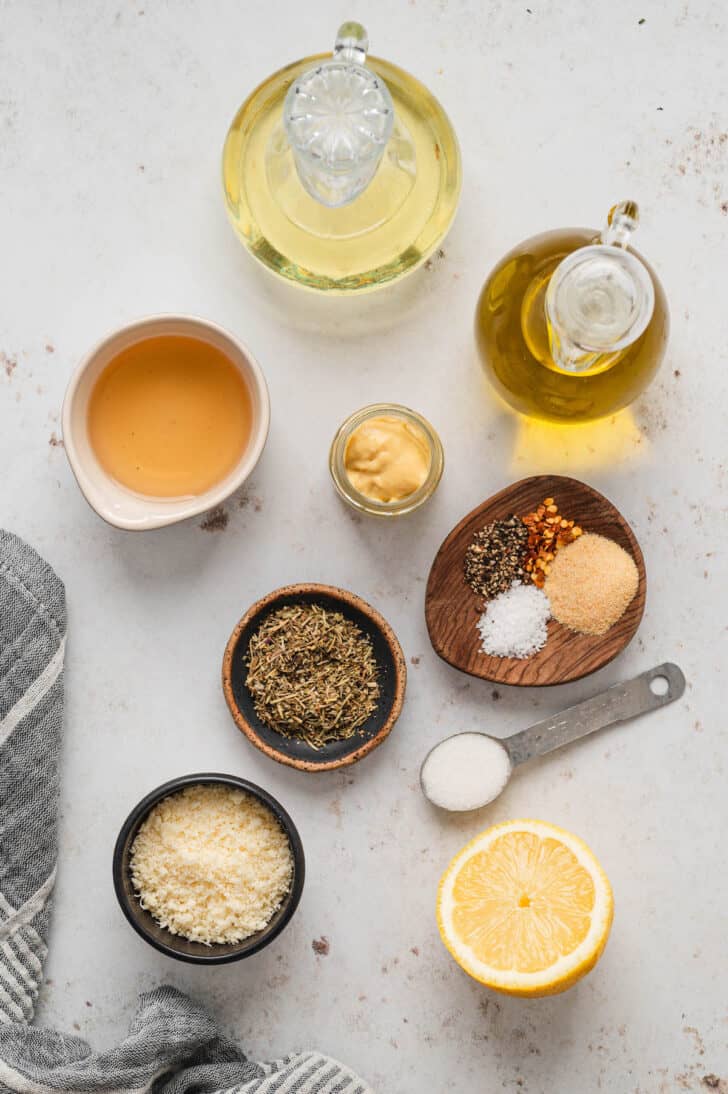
x=169, y=416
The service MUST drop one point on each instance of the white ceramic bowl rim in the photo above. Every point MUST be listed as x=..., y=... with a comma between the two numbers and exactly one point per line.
x=116, y=504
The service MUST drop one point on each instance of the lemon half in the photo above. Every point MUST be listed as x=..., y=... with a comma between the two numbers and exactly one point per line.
x=525, y=908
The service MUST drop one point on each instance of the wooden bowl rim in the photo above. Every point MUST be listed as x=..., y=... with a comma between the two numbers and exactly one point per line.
x=314, y=589
x=639, y=600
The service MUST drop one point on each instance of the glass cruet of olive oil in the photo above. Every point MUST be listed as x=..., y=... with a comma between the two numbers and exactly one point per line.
x=572, y=325
x=341, y=173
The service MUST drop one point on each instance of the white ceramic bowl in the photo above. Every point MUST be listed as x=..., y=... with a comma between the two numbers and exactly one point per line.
x=116, y=503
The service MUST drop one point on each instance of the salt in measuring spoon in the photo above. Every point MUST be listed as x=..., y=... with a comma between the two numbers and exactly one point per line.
x=469, y=770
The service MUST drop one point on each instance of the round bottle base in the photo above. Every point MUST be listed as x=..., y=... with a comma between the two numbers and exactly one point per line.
x=399, y=220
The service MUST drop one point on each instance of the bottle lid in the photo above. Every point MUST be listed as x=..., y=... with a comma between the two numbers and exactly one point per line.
x=601, y=297
x=338, y=117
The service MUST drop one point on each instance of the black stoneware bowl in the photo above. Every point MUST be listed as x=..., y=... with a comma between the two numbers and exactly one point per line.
x=174, y=945
x=392, y=680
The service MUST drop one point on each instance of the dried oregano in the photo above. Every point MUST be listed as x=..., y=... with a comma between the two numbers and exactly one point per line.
x=312, y=674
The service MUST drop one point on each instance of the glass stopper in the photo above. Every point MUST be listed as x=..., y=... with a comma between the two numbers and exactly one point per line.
x=338, y=117
x=600, y=297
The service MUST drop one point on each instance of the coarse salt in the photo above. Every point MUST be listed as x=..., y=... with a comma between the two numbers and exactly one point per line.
x=514, y=622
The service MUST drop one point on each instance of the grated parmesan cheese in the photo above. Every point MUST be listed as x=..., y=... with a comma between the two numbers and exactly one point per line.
x=211, y=863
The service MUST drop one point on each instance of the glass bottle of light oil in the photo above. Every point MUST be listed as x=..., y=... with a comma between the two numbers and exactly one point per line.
x=572, y=325
x=341, y=173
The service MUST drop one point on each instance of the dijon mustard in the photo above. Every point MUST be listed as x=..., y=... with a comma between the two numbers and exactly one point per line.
x=387, y=458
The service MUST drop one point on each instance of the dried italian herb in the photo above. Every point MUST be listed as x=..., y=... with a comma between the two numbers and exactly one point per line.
x=312, y=674
x=495, y=557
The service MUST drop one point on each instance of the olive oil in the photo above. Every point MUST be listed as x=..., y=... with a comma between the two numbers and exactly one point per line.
x=169, y=416
x=388, y=230
x=515, y=343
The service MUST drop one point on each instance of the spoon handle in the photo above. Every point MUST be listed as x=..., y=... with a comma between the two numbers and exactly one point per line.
x=616, y=704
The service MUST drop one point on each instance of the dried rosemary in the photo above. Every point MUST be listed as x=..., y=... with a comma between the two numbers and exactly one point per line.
x=312, y=674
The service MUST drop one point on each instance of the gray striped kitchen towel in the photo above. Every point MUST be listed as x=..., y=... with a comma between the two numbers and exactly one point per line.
x=173, y=1045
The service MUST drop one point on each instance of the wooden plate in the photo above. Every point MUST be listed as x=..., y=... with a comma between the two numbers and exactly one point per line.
x=452, y=609
x=289, y=750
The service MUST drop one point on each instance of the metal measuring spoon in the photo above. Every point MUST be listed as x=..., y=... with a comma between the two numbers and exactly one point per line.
x=460, y=774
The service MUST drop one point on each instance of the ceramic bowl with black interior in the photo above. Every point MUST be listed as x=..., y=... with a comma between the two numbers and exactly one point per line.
x=289, y=750
x=175, y=945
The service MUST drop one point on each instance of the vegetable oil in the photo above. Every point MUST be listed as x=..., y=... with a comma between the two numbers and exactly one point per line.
x=323, y=206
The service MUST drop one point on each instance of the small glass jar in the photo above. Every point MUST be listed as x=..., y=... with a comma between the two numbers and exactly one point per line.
x=362, y=502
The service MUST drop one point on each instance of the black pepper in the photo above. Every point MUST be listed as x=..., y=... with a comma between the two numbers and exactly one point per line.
x=495, y=557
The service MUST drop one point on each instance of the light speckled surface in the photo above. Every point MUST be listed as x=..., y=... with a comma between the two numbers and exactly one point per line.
x=112, y=118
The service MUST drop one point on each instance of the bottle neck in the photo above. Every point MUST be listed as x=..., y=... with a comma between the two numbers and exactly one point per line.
x=599, y=301
x=338, y=118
